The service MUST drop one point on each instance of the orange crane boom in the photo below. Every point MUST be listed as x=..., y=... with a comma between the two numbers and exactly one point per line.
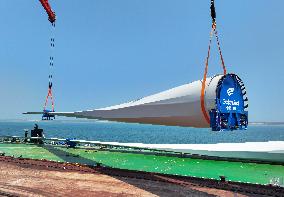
x=50, y=13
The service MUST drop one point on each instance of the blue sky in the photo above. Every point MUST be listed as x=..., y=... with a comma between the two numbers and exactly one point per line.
x=110, y=51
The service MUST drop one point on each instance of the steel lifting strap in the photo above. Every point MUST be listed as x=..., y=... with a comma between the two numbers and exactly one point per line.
x=213, y=31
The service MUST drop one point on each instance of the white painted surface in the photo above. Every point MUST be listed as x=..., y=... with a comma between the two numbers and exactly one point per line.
x=263, y=151
x=178, y=106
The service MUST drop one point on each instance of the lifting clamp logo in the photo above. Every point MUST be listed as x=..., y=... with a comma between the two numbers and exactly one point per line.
x=230, y=91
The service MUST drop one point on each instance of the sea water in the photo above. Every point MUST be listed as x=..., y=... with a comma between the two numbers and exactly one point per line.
x=139, y=133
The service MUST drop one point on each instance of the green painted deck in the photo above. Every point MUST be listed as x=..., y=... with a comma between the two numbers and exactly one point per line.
x=234, y=171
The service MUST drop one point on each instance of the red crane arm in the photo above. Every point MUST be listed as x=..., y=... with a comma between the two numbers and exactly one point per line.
x=50, y=13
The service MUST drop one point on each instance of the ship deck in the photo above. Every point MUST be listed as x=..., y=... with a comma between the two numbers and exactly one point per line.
x=149, y=161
